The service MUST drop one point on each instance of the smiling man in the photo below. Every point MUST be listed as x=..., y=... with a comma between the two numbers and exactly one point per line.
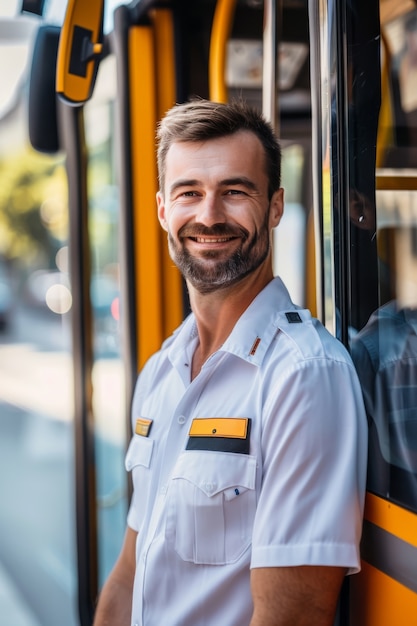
x=248, y=454
x=223, y=222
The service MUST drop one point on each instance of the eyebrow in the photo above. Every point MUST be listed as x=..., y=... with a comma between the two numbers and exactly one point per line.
x=239, y=180
x=192, y=182
x=227, y=182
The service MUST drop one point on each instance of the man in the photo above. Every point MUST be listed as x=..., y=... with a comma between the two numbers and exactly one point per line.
x=249, y=445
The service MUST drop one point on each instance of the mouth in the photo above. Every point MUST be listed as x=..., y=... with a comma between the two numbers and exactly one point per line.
x=212, y=240
x=217, y=238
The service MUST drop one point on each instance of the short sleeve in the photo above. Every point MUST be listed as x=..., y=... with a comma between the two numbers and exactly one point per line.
x=314, y=446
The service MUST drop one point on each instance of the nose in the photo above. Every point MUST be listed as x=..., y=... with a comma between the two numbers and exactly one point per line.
x=211, y=211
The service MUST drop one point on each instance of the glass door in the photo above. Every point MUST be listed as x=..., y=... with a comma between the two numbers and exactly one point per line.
x=364, y=84
x=37, y=523
x=108, y=389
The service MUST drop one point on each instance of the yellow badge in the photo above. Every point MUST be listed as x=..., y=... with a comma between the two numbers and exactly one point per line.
x=143, y=426
x=233, y=427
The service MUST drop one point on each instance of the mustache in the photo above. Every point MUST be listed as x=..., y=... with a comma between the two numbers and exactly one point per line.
x=217, y=230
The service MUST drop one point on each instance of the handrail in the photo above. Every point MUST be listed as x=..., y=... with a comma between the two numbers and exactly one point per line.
x=319, y=150
x=220, y=33
x=270, y=62
x=395, y=180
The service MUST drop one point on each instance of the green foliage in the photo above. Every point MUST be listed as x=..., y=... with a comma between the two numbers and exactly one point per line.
x=33, y=205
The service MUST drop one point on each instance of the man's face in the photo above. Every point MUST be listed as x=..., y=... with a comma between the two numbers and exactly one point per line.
x=216, y=211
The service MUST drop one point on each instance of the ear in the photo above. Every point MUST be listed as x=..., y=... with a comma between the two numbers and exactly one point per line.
x=276, y=208
x=161, y=210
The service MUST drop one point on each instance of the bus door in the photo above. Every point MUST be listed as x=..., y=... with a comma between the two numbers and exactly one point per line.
x=126, y=296
x=37, y=538
x=90, y=268
x=120, y=274
x=158, y=54
x=365, y=134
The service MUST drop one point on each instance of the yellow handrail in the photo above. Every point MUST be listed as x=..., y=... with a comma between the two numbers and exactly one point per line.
x=220, y=33
x=146, y=228
x=171, y=284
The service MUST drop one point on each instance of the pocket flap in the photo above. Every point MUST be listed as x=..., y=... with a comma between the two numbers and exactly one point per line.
x=213, y=472
x=139, y=452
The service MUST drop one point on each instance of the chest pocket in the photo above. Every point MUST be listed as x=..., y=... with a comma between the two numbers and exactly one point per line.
x=211, y=506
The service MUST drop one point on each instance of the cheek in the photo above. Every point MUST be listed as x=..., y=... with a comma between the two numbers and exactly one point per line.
x=178, y=216
x=173, y=223
x=263, y=223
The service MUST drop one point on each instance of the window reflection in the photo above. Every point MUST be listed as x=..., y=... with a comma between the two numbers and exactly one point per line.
x=385, y=348
x=385, y=354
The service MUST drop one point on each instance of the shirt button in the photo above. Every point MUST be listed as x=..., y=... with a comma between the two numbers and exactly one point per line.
x=181, y=419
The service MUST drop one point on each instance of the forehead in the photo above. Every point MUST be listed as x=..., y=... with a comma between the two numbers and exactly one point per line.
x=239, y=154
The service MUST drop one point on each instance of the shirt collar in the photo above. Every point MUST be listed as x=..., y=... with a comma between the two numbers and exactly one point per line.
x=252, y=333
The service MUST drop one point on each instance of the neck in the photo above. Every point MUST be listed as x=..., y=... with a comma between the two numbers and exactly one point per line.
x=216, y=313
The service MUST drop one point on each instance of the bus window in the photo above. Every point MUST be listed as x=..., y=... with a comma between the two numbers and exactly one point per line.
x=244, y=78
x=385, y=348
x=37, y=523
x=290, y=238
x=364, y=148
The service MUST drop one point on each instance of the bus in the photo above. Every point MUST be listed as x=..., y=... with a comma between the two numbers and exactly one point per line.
x=91, y=291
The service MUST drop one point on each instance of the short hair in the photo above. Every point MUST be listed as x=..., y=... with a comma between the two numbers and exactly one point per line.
x=200, y=120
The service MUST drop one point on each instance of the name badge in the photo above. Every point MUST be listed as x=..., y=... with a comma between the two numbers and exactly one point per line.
x=143, y=427
x=220, y=434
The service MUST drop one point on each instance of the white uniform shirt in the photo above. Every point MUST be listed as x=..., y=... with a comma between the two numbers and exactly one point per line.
x=205, y=516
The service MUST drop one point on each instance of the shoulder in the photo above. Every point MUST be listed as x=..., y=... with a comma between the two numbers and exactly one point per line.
x=309, y=376
x=307, y=338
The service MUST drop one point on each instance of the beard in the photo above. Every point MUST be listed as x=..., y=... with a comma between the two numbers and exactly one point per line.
x=210, y=272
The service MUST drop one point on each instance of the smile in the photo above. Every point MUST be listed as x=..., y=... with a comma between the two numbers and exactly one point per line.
x=212, y=239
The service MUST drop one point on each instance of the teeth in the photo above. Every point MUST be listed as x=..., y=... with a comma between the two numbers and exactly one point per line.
x=211, y=240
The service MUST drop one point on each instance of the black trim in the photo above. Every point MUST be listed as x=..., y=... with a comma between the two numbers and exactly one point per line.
x=122, y=22
x=390, y=554
x=33, y=6
x=139, y=9
x=42, y=106
x=72, y=125
x=79, y=58
x=215, y=443
x=340, y=173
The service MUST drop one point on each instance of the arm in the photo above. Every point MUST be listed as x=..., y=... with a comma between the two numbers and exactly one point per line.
x=115, y=602
x=295, y=596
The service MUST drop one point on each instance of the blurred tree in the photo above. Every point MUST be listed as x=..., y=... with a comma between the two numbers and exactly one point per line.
x=33, y=206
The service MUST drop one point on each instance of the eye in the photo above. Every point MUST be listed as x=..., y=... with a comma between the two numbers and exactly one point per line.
x=189, y=194
x=235, y=192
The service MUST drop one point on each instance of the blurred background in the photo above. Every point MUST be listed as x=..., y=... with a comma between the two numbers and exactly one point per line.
x=37, y=508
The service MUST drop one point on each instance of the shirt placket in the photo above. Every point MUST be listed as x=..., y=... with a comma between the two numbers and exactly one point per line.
x=170, y=448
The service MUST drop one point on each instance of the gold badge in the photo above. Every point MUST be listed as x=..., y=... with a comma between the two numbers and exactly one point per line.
x=233, y=427
x=143, y=426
